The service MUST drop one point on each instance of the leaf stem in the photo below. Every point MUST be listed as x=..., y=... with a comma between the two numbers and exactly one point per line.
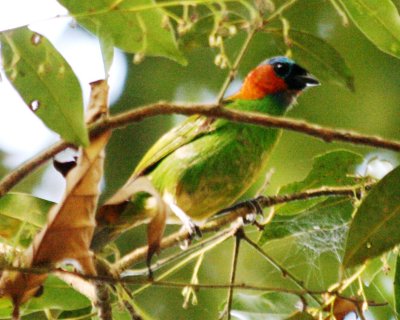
x=279, y=11
x=238, y=237
x=234, y=68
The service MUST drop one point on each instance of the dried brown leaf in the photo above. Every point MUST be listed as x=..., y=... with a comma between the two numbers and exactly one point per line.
x=71, y=223
x=341, y=308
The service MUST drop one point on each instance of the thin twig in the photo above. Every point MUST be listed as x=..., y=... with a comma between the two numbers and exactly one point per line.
x=240, y=210
x=178, y=255
x=285, y=272
x=189, y=293
x=238, y=237
x=15, y=176
x=170, y=284
x=103, y=303
x=128, y=302
x=234, y=69
x=15, y=312
x=164, y=108
x=219, y=222
x=279, y=11
x=223, y=236
x=265, y=201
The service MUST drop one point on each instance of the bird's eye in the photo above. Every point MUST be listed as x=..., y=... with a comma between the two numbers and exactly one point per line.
x=282, y=69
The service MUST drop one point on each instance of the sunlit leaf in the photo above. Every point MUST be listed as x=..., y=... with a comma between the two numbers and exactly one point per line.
x=318, y=56
x=136, y=26
x=271, y=305
x=46, y=82
x=332, y=169
x=107, y=51
x=375, y=227
x=332, y=215
x=19, y=211
x=379, y=20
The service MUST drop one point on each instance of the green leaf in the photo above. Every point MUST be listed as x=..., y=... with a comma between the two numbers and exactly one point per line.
x=57, y=295
x=375, y=227
x=373, y=268
x=379, y=20
x=270, y=305
x=318, y=56
x=198, y=34
x=107, y=51
x=327, y=220
x=332, y=169
x=18, y=212
x=136, y=26
x=396, y=285
x=46, y=82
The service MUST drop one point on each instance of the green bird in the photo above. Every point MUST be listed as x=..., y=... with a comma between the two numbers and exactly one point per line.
x=204, y=165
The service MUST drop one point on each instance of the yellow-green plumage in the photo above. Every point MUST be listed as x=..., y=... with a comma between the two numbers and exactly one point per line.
x=212, y=164
x=204, y=165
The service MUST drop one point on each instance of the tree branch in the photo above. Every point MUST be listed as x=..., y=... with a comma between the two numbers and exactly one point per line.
x=231, y=214
x=213, y=110
x=15, y=176
x=169, y=284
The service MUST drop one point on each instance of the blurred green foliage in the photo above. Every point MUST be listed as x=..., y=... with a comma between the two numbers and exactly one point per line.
x=372, y=108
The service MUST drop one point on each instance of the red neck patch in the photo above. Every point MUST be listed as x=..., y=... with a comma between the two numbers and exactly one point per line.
x=259, y=83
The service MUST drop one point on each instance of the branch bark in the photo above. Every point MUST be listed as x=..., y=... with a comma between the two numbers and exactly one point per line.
x=232, y=213
x=211, y=110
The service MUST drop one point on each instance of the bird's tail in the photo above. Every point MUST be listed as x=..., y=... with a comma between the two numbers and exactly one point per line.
x=135, y=203
x=114, y=219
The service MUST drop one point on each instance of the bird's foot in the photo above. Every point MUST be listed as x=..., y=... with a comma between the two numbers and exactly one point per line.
x=188, y=224
x=193, y=231
x=251, y=217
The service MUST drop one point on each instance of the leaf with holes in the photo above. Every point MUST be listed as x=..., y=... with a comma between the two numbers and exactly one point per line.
x=46, y=82
x=317, y=56
x=330, y=216
x=136, y=26
x=332, y=169
x=379, y=20
x=375, y=227
x=21, y=213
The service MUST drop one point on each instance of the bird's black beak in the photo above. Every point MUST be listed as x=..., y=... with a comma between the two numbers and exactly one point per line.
x=307, y=80
x=299, y=78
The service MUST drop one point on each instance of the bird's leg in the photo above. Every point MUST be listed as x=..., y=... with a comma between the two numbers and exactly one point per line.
x=188, y=224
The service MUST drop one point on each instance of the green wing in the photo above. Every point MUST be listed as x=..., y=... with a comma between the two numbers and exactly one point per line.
x=184, y=133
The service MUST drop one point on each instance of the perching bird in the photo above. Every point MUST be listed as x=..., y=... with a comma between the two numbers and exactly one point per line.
x=204, y=165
